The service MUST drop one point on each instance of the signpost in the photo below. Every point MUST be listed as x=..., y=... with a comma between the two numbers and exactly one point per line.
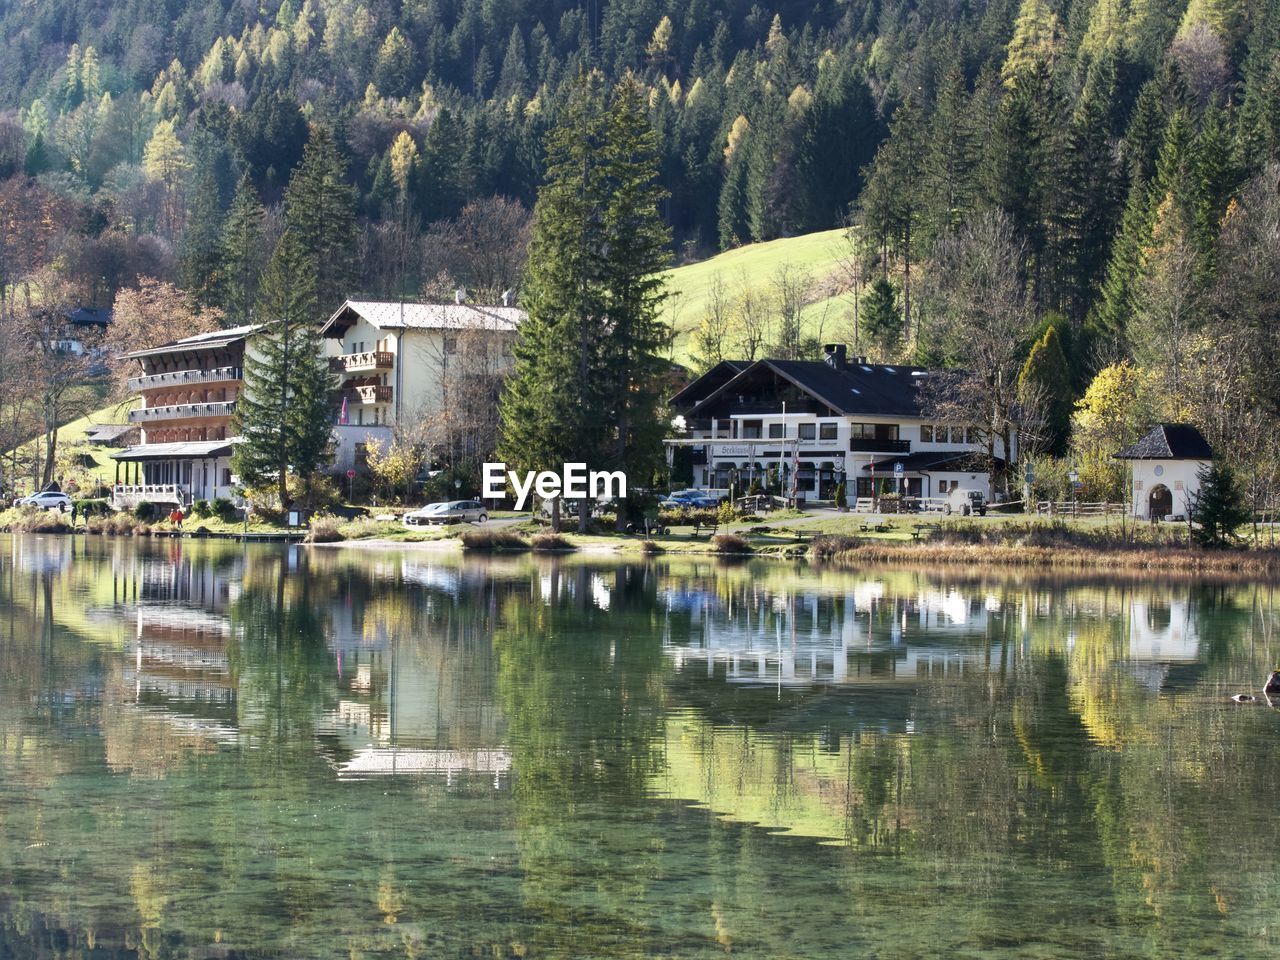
x=351, y=485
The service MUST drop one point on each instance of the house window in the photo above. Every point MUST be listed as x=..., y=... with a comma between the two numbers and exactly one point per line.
x=450, y=346
x=360, y=417
x=776, y=431
x=808, y=431
x=827, y=431
x=926, y=433
x=750, y=430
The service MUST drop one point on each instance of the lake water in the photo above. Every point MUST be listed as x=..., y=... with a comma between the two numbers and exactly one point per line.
x=212, y=751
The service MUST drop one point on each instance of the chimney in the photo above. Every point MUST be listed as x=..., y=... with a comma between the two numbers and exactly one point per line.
x=836, y=355
x=507, y=297
x=460, y=295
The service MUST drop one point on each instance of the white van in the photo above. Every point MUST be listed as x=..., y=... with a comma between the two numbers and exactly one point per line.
x=965, y=502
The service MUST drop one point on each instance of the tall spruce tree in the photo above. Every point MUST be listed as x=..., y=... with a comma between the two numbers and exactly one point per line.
x=551, y=406
x=285, y=413
x=241, y=255
x=585, y=386
x=881, y=321
x=320, y=213
x=636, y=256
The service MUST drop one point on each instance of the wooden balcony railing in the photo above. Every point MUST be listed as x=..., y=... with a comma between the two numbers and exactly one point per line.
x=372, y=393
x=182, y=378
x=362, y=362
x=182, y=411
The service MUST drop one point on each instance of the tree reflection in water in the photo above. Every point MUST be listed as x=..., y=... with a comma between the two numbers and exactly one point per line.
x=208, y=750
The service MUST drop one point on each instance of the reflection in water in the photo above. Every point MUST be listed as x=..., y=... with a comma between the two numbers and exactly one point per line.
x=207, y=750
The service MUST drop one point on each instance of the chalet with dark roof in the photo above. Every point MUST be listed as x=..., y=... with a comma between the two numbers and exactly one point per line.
x=1165, y=470
x=819, y=422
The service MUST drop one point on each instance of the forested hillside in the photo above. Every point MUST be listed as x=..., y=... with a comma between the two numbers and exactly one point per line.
x=1084, y=184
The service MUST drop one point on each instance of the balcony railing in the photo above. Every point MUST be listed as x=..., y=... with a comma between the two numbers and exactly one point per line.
x=182, y=378
x=373, y=393
x=126, y=496
x=876, y=445
x=182, y=411
x=362, y=362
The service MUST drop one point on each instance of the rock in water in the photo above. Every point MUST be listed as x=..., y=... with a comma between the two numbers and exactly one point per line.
x=1244, y=698
x=1273, y=684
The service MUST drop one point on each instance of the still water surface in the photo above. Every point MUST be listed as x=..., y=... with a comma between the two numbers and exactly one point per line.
x=208, y=751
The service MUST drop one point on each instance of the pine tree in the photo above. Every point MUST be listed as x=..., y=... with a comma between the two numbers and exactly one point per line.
x=241, y=251
x=1045, y=384
x=636, y=256
x=950, y=168
x=285, y=411
x=201, y=253
x=1217, y=509
x=551, y=407
x=881, y=319
x=320, y=215
x=586, y=383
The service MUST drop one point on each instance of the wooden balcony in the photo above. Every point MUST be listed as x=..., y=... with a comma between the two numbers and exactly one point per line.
x=368, y=362
x=372, y=393
x=182, y=411
x=182, y=378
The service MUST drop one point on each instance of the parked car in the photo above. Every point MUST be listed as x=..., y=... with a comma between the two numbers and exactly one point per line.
x=46, y=500
x=965, y=502
x=690, y=498
x=448, y=511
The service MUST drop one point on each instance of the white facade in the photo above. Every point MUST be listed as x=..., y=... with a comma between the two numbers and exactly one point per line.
x=398, y=362
x=832, y=448
x=1166, y=485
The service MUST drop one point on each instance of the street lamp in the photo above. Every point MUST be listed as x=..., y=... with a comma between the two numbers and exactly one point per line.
x=1074, y=477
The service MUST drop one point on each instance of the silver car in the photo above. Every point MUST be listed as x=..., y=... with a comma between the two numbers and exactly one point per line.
x=46, y=500
x=448, y=511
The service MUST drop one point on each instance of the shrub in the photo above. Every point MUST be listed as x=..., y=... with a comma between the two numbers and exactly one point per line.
x=93, y=508
x=223, y=509
x=730, y=543
x=200, y=508
x=325, y=529
x=488, y=539
x=725, y=513
x=841, y=499
x=115, y=524
x=547, y=542
x=144, y=510
x=651, y=547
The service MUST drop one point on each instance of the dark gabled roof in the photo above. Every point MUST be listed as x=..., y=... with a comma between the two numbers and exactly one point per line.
x=89, y=316
x=1169, y=441
x=945, y=460
x=875, y=389
x=211, y=340
x=701, y=387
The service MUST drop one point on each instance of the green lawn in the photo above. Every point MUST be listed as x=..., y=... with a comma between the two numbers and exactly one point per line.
x=820, y=254
x=71, y=441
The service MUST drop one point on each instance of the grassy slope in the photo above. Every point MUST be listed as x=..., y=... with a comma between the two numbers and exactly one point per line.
x=72, y=435
x=756, y=264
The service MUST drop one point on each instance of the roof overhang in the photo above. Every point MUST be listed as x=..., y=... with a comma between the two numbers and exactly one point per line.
x=194, y=450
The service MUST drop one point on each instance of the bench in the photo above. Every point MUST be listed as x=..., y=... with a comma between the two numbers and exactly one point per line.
x=710, y=528
x=923, y=531
x=802, y=535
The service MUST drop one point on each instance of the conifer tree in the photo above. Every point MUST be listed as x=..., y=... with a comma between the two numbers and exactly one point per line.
x=586, y=381
x=1045, y=384
x=320, y=214
x=881, y=320
x=551, y=405
x=241, y=255
x=635, y=257
x=285, y=413
x=1217, y=509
